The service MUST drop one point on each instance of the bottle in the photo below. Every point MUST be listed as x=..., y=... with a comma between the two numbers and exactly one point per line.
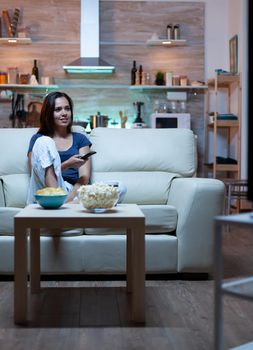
x=35, y=70
x=169, y=31
x=176, y=32
x=140, y=74
x=133, y=73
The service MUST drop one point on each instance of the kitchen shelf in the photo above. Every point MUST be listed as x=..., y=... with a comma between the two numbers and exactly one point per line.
x=164, y=87
x=5, y=99
x=13, y=41
x=22, y=87
x=93, y=86
x=166, y=43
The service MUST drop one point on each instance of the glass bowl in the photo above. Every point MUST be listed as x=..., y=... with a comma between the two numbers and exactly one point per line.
x=98, y=197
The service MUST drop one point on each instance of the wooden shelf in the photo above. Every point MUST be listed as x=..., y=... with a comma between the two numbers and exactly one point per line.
x=225, y=124
x=15, y=41
x=224, y=80
x=227, y=167
x=166, y=43
x=231, y=127
x=224, y=167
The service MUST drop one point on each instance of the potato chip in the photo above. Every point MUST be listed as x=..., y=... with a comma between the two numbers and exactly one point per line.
x=51, y=191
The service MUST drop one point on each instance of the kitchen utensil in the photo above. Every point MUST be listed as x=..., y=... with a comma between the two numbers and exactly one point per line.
x=98, y=120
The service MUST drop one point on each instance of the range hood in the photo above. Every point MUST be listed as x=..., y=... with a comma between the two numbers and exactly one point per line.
x=89, y=62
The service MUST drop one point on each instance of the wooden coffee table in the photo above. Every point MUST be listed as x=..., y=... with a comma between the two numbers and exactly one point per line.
x=33, y=217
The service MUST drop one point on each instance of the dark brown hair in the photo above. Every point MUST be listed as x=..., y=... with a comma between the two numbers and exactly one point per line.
x=47, y=125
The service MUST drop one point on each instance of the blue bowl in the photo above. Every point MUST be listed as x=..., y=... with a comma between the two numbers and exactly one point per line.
x=51, y=202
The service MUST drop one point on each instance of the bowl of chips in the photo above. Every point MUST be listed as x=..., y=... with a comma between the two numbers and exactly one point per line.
x=50, y=197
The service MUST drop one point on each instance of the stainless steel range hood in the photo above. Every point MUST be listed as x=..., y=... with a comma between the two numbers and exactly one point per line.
x=89, y=62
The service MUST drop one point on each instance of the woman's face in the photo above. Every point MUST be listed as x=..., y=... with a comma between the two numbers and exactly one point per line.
x=62, y=112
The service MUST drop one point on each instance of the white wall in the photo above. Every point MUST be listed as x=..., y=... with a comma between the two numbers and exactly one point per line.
x=237, y=16
x=216, y=36
x=224, y=19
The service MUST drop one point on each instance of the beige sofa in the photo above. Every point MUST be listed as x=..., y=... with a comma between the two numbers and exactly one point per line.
x=158, y=167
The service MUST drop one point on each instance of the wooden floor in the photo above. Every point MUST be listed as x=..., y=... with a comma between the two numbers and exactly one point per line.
x=179, y=313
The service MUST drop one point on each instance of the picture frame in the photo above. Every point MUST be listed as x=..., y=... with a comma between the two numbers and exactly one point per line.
x=233, y=54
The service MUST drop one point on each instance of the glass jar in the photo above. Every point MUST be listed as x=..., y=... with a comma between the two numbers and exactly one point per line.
x=3, y=78
x=12, y=75
x=176, y=31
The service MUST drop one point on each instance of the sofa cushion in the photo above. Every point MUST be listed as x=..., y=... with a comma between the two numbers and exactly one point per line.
x=7, y=220
x=15, y=189
x=158, y=219
x=142, y=187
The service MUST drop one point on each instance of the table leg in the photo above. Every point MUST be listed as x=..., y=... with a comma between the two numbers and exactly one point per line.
x=35, y=260
x=20, y=274
x=218, y=272
x=138, y=274
x=129, y=263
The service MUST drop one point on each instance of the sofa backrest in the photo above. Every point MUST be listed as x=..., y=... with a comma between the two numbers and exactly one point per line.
x=14, y=145
x=146, y=160
x=14, y=166
x=169, y=150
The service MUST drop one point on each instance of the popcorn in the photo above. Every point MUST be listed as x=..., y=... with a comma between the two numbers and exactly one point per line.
x=98, y=195
x=51, y=191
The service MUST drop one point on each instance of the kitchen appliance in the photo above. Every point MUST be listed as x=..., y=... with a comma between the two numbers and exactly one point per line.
x=171, y=120
x=139, y=123
x=89, y=62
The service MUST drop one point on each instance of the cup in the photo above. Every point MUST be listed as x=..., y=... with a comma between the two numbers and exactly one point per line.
x=45, y=80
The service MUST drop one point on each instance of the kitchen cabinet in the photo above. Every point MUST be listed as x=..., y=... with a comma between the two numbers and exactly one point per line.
x=223, y=125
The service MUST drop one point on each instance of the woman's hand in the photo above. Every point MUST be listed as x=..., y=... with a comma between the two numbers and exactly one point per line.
x=73, y=162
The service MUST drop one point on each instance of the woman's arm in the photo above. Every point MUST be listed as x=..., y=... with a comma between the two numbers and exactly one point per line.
x=84, y=174
x=50, y=177
x=30, y=162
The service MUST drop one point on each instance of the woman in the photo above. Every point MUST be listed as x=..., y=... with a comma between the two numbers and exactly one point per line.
x=54, y=151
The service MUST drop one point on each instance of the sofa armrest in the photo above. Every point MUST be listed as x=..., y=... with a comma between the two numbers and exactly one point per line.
x=198, y=201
